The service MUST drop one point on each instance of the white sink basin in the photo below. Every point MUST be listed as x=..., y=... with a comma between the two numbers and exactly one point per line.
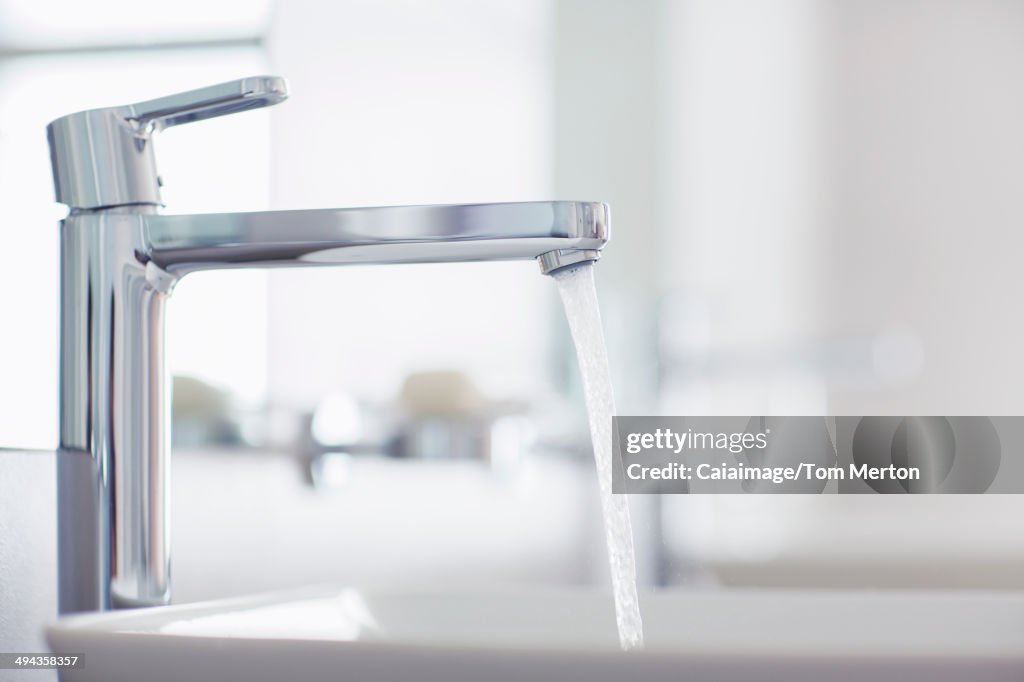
x=493, y=636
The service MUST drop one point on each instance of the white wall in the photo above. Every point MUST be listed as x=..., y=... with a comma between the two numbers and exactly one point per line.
x=842, y=206
x=928, y=173
x=740, y=203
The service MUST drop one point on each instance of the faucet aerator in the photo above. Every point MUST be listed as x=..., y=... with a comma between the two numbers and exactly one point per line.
x=563, y=259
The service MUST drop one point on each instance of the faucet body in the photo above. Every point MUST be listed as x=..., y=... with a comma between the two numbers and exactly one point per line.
x=120, y=260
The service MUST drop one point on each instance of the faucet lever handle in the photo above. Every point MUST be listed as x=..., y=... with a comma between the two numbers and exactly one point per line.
x=104, y=157
x=208, y=102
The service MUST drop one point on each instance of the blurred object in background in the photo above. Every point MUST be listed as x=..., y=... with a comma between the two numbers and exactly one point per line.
x=204, y=416
x=441, y=394
x=444, y=415
x=338, y=422
x=438, y=415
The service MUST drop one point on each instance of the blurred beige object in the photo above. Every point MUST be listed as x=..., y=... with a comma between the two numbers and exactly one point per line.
x=447, y=417
x=202, y=414
x=442, y=393
x=195, y=396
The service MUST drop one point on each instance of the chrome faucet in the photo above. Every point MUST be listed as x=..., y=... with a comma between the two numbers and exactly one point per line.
x=120, y=260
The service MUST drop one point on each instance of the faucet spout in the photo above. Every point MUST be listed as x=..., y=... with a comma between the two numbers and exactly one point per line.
x=394, y=234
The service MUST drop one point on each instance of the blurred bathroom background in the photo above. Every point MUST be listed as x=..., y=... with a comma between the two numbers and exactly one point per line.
x=816, y=210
